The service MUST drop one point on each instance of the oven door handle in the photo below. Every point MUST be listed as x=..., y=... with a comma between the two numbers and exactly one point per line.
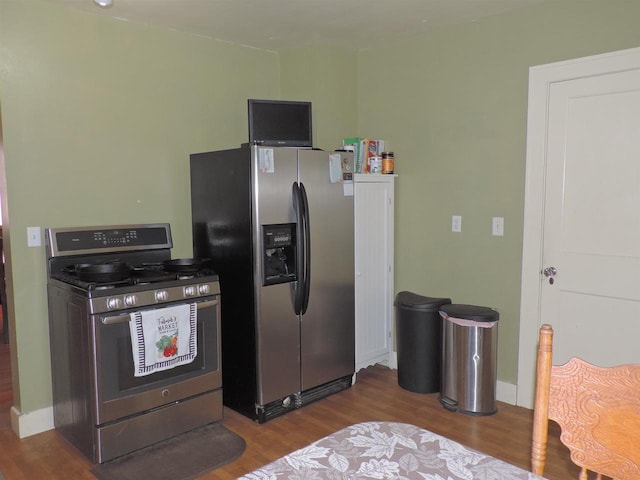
x=126, y=318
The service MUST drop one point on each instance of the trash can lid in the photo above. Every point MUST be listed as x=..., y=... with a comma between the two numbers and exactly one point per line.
x=471, y=312
x=413, y=301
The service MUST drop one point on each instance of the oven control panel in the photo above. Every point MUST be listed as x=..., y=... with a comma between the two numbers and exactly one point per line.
x=95, y=240
x=151, y=297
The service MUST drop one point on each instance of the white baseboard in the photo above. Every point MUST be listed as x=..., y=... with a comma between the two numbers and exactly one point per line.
x=38, y=421
x=32, y=423
x=505, y=392
x=393, y=360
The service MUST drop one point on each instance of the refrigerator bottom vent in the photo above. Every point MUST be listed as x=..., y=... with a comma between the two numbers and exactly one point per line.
x=325, y=390
x=280, y=407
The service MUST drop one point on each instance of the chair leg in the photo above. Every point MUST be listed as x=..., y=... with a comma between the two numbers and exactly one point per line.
x=541, y=405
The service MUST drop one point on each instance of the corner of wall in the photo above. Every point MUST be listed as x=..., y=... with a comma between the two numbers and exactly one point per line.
x=27, y=424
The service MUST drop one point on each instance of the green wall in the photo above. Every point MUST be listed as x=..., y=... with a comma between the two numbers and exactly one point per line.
x=99, y=118
x=327, y=77
x=452, y=105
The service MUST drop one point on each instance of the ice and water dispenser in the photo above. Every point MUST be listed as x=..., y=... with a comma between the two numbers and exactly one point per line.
x=279, y=253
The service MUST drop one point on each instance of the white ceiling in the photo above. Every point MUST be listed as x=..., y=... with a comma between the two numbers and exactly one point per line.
x=280, y=24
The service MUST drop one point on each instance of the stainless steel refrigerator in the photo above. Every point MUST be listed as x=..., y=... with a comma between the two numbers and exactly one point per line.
x=277, y=226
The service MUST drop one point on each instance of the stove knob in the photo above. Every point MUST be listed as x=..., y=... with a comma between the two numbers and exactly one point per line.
x=204, y=289
x=190, y=291
x=113, y=303
x=130, y=300
x=162, y=296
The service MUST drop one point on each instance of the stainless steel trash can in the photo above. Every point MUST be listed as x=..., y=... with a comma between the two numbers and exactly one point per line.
x=419, y=341
x=469, y=359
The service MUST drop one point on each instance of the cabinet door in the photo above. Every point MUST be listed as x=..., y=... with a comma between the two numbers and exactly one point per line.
x=374, y=269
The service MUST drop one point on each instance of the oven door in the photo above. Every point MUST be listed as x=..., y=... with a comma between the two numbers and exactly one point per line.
x=118, y=393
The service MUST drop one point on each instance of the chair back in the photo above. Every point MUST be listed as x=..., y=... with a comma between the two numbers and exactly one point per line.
x=598, y=410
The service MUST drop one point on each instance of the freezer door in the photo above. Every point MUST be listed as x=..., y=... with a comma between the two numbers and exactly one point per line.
x=328, y=326
x=274, y=171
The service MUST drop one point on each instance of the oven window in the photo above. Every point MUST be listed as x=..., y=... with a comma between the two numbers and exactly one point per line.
x=115, y=366
x=126, y=378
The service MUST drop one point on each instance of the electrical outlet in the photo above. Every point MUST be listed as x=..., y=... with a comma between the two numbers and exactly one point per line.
x=456, y=223
x=33, y=237
x=497, y=226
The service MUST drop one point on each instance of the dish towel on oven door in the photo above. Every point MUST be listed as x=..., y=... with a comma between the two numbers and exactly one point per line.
x=163, y=338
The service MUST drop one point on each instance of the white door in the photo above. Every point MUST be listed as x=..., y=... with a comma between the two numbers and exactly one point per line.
x=581, y=258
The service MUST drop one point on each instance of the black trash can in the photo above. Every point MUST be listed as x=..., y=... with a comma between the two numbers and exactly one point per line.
x=419, y=341
x=469, y=359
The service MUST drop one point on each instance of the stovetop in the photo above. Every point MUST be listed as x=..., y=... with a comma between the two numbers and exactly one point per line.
x=152, y=275
x=151, y=289
x=149, y=283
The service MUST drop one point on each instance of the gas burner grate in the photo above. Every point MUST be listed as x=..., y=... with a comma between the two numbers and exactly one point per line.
x=144, y=274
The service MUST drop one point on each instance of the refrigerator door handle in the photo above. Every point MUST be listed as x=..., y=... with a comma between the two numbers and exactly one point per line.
x=307, y=249
x=298, y=208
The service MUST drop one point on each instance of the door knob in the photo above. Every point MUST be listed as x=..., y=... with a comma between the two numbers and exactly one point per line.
x=550, y=272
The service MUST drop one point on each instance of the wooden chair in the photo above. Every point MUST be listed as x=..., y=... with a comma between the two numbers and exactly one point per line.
x=598, y=410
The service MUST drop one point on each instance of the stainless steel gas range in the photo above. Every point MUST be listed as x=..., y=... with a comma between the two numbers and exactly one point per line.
x=100, y=280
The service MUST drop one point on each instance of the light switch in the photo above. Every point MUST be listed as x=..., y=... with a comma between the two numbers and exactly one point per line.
x=33, y=237
x=456, y=223
x=497, y=226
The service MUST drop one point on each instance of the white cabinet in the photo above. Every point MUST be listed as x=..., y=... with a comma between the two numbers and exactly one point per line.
x=374, y=207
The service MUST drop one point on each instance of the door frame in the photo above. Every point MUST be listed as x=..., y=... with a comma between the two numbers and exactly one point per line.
x=541, y=77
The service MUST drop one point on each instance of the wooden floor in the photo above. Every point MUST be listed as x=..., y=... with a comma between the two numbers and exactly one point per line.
x=375, y=396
